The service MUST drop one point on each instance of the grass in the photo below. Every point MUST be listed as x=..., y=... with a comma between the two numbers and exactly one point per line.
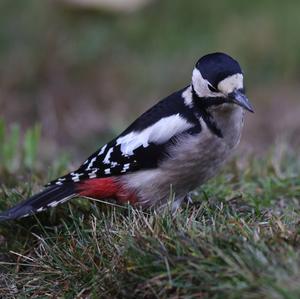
x=238, y=239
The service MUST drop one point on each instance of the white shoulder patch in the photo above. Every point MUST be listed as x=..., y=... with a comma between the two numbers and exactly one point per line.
x=158, y=133
x=188, y=97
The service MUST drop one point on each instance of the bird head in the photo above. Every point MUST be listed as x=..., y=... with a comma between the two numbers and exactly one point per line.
x=218, y=76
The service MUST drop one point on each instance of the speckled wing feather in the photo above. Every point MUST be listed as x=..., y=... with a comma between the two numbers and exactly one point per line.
x=143, y=145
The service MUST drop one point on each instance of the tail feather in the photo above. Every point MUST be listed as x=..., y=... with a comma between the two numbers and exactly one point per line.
x=50, y=197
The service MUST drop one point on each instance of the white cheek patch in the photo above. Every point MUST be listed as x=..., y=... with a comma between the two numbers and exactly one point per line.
x=158, y=133
x=201, y=86
x=231, y=83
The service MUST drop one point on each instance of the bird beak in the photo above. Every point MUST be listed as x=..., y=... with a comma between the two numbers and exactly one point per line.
x=238, y=97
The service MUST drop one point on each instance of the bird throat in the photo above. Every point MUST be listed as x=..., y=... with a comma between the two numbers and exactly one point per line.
x=202, y=105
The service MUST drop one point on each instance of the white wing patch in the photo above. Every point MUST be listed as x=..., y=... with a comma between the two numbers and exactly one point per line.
x=118, y=156
x=107, y=157
x=107, y=171
x=158, y=133
x=91, y=163
x=93, y=174
x=114, y=164
x=102, y=150
x=125, y=167
x=76, y=176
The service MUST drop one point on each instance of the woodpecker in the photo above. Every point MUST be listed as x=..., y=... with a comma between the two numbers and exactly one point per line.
x=177, y=145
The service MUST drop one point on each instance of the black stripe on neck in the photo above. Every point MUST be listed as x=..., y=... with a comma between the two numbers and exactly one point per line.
x=201, y=106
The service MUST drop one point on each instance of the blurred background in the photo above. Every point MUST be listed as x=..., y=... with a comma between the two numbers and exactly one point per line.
x=84, y=69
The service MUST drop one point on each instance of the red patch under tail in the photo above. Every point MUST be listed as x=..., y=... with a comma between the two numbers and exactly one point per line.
x=104, y=188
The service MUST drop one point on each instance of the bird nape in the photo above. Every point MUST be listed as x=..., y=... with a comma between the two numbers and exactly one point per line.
x=182, y=141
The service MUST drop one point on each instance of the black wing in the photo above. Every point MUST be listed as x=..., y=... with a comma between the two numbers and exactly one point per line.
x=112, y=160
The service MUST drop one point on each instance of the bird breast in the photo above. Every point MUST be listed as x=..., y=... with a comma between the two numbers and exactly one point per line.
x=193, y=160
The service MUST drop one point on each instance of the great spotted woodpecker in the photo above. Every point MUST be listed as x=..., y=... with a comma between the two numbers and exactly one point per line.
x=180, y=142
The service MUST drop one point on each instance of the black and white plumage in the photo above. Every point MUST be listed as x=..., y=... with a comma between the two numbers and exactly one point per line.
x=181, y=142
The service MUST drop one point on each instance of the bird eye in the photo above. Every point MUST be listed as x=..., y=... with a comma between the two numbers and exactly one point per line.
x=211, y=88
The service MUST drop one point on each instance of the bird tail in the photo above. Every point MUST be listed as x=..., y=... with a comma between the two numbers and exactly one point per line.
x=50, y=197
